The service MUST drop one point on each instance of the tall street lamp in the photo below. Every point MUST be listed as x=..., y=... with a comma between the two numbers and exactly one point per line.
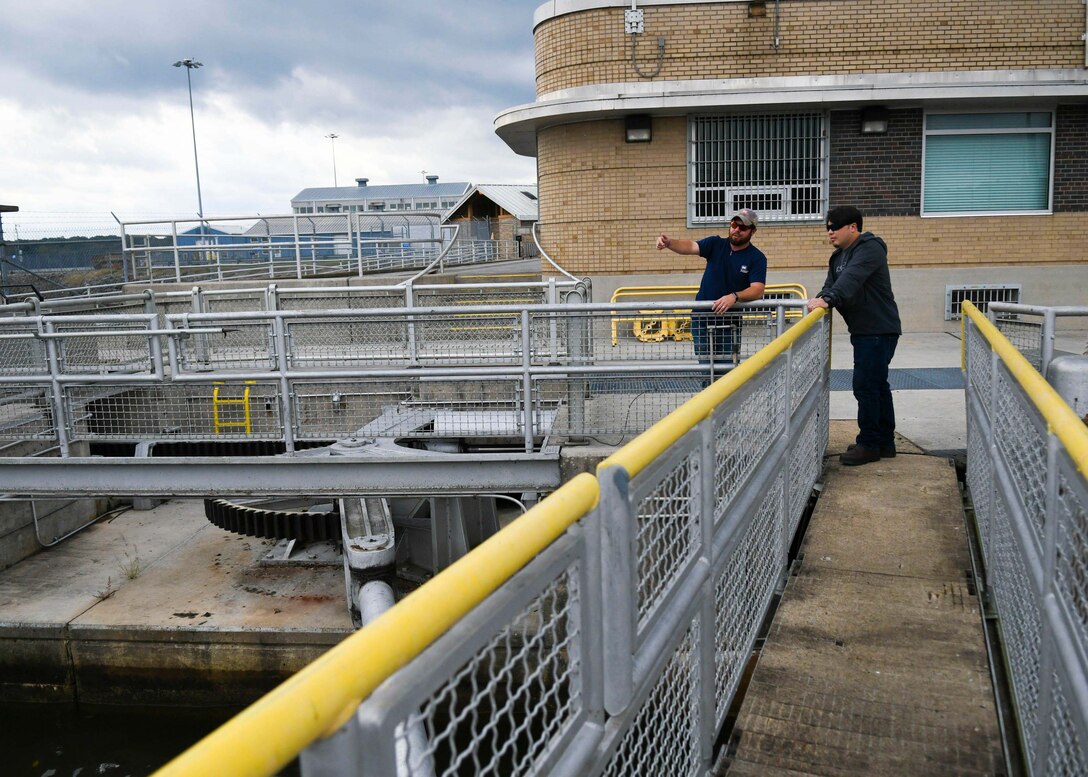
x=332, y=136
x=190, y=65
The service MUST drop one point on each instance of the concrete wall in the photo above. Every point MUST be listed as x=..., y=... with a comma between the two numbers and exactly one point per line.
x=56, y=517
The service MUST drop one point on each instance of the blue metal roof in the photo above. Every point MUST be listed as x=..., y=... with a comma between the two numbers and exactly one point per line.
x=399, y=191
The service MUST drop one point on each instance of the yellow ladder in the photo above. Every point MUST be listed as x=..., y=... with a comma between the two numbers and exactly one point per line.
x=217, y=402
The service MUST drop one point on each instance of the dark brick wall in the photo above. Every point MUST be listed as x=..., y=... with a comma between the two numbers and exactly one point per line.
x=880, y=174
x=1071, y=159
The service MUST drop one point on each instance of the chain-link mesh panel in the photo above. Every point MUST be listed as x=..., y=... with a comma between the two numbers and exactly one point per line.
x=26, y=412
x=664, y=737
x=1026, y=335
x=668, y=532
x=611, y=409
x=235, y=302
x=433, y=298
x=241, y=345
x=1066, y=753
x=980, y=482
x=21, y=352
x=805, y=461
x=742, y=591
x=739, y=447
x=346, y=342
x=1071, y=563
x=1020, y=436
x=453, y=408
x=809, y=359
x=471, y=338
x=175, y=411
x=979, y=358
x=107, y=352
x=499, y=712
x=346, y=298
x=1020, y=621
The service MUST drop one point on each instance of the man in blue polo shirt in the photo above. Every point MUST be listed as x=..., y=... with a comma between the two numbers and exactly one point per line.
x=736, y=271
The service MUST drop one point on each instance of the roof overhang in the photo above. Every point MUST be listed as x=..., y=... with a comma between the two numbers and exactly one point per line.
x=518, y=126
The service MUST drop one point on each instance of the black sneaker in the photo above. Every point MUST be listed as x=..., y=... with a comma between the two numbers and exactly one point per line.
x=859, y=454
x=886, y=451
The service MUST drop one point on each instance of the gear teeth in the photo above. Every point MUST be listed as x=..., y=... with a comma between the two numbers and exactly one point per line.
x=272, y=524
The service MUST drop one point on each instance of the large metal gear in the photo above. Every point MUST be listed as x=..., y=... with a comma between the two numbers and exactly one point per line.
x=281, y=519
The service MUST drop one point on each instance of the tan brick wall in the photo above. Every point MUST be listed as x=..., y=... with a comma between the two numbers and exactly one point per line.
x=718, y=40
x=603, y=202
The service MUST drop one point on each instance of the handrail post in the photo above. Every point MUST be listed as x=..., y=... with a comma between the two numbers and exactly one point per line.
x=279, y=329
x=526, y=381
x=60, y=414
x=1047, y=345
x=177, y=255
x=618, y=523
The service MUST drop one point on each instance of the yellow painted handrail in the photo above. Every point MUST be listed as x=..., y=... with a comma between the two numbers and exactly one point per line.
x=1060, y=418
x=637, y=454
x=315, y=702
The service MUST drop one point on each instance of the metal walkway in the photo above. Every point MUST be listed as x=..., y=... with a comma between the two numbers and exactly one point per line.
x=876, y=662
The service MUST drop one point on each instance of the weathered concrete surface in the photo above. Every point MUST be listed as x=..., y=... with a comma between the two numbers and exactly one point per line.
x=875, y=663
x=160, y=607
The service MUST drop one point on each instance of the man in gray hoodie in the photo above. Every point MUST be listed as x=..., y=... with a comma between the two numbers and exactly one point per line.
x=859, y=286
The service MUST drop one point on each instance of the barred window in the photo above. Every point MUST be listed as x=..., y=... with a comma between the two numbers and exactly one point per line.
x=775, y=164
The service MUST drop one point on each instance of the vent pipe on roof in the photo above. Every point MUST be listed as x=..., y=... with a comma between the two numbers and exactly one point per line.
x=361, y=181
x=432, y=180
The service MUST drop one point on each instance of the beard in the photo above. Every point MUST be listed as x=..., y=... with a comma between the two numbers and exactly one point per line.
x=737, y=241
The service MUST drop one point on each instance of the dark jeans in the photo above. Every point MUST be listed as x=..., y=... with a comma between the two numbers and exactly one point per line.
x=717, y=335
x=876, y=413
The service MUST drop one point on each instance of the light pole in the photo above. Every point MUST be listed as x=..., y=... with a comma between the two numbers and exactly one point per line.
x=190, y=65
x=332, y=136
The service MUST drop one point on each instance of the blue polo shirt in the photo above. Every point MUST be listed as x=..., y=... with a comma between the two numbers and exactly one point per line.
x=727, y=270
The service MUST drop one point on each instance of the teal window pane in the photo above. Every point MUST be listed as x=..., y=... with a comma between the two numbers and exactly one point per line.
x=987, y=173
x=972, y=121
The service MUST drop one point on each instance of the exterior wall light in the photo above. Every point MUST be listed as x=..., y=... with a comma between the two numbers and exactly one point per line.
x=874, y=121
x=757, y=8
x=638, y=128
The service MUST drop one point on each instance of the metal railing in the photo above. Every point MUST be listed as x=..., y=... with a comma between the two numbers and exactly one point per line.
x=1031, y=328
x=509, y=662
x=1027, y=470
x=298, y=246
x=323, y=374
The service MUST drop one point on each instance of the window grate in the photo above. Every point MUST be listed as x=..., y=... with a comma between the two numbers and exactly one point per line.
x=774, y=164
x=980, y=296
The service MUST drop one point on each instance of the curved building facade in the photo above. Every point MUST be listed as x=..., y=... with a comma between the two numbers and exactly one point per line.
x=959, y=128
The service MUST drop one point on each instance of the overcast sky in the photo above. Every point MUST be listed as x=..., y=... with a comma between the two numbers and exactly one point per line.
x=95, y=118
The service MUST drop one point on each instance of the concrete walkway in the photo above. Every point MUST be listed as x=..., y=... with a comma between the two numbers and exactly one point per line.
x=875, y=663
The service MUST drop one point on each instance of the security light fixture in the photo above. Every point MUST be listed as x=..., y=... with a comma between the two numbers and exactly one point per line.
x=874, y=121
x=190, y=65
x=638, y=128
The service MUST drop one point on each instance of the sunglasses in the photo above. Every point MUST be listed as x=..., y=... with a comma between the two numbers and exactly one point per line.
x=740, y=227
x=836, y=227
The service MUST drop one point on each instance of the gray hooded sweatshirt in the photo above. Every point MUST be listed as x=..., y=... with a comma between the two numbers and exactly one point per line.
x=859, y=286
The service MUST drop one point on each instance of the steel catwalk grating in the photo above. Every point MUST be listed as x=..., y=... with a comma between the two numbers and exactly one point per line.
x=663, y=739
x=667, y=534
x=498, y=713
x=741, y=593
